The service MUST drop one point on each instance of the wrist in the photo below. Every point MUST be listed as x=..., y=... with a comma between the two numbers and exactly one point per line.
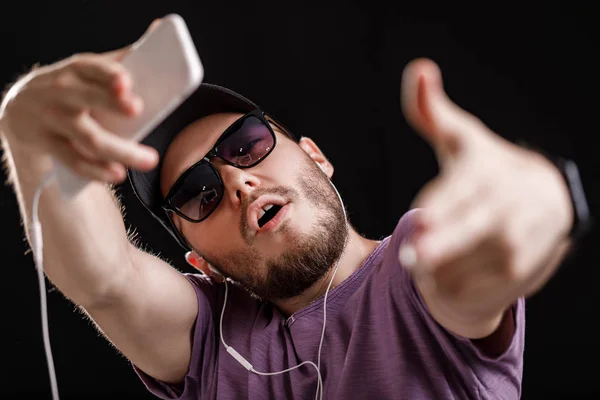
x=580, y=216
x=24, y=163
x=580, y=212
x=563, y=210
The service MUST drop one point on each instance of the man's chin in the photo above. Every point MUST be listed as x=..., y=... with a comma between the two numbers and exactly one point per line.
x=274, y=245
x=282, y=290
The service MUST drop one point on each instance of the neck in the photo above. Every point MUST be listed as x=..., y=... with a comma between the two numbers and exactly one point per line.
x=356, y=251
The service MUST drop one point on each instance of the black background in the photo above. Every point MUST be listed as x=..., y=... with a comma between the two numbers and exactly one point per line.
x=332, y=72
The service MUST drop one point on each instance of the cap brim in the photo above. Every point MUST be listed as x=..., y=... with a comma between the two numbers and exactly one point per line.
x=207, y=99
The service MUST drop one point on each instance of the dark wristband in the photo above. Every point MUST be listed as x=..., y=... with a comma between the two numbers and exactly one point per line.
x=582, y=219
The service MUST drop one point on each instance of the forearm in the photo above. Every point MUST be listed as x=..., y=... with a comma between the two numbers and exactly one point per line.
x=477, y=319
x=85, y=242
x=464, y=320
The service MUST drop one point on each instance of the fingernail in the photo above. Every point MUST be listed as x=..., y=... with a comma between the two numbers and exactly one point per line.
x=407, y=256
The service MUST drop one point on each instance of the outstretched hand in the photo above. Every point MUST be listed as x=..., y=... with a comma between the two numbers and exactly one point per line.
x=492, y=225
x=51, y=111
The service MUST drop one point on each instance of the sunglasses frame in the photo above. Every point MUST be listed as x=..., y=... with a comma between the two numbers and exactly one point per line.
x=267, y=120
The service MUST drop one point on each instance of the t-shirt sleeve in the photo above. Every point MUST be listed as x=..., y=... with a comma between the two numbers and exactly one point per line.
x=200, y=379
x=497, y=377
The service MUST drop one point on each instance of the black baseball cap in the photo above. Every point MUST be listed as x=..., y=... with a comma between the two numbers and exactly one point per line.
x=207, y=99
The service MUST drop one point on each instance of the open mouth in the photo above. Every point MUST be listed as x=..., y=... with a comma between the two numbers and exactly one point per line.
x=267, y=213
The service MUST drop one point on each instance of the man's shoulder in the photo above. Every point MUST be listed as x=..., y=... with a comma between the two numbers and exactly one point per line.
x=407, y=222
x=403, y=231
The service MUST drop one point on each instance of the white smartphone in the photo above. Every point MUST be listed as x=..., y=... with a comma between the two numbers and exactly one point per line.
x=165, y=70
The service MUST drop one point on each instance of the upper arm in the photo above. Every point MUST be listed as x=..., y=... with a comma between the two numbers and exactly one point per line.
x=151, y=318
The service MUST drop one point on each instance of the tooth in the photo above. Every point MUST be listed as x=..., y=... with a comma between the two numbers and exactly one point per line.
x=260, y=213
x=267, y=207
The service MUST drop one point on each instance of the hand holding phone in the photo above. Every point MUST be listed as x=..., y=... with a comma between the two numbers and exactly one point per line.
x=165, y=69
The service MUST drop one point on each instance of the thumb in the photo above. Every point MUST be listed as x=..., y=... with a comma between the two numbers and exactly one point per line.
x=429, y=110
x=117, y=55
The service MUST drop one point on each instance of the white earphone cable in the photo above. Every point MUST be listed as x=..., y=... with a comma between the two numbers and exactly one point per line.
x=37, y=247
x=250, y=367
x=38, y=257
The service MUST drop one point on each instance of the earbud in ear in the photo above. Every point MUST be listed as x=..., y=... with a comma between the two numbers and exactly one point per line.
x=191, y=260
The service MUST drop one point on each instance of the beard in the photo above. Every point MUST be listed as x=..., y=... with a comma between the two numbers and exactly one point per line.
x=308, y=258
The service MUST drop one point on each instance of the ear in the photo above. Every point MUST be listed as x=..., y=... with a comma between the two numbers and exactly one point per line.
x=196, y=261
x=313, y=151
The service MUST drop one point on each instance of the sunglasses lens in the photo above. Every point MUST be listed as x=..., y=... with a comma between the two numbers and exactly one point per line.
x=247, y=143
x=250, y=141
x=199, y=193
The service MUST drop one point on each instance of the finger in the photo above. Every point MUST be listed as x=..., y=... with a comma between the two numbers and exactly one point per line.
x=92, y=170
x=429, y=110
x=425, y=199
x=90, y=139
x=455, y=238
x=70, y=91
x=118, y=168
x=104, y=72
x=107, y=146
x=123, y=81
x=448, y=197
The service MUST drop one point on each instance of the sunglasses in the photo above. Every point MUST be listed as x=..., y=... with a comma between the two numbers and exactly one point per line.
x=244, y=144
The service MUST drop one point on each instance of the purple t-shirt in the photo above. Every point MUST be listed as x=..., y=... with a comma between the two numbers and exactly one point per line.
x=380, y=343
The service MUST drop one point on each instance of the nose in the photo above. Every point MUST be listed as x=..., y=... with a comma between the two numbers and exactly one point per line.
x=239, y=183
